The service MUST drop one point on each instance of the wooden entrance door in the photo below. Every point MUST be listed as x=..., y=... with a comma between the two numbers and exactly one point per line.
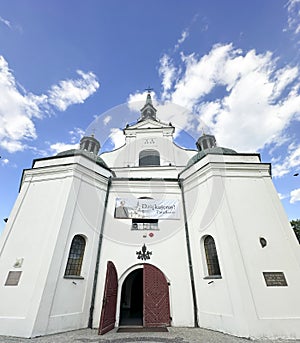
x=109, y=302
x=156, y=298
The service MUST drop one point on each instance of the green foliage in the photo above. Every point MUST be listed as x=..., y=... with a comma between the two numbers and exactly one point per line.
x=296, y=227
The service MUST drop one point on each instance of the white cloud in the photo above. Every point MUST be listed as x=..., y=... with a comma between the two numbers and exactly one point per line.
x=69, y=92
x=293, y=9
x=167, y=72
x=256, y=100
x=16, y=112
x=6, y=22
x=76, y=134
x=4, y=161
x=117, y=137
x=282, y=196
x=11, y=26
x=19, y=109
x=200, y=76
x=289, y=163
x=183, y=37
x=59, y=147
x=295, y=195
x=107, y=119
x=12, y=146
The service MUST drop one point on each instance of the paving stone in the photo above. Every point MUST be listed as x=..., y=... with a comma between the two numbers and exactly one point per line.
x=175, y=335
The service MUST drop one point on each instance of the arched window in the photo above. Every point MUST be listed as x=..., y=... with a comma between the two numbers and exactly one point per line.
x=205, y=145
x=212, y=261
x=149, y=157
x=75, y=258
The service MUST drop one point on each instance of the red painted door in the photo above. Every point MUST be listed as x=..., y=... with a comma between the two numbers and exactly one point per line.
x=156, y=298
x=109, y=302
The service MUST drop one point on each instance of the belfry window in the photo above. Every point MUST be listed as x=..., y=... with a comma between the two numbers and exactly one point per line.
x=212, y=262
x=149, y=157
x=75, y=258
x=86, y=145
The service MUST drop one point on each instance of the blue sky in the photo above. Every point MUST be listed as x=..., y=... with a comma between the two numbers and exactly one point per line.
x=233, y=65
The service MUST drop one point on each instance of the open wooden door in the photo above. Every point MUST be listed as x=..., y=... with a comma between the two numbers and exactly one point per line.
x=109, y=302
x=156, y=298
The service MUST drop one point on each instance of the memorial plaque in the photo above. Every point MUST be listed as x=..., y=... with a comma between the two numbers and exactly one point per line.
x=275, y=279
x=13, y=278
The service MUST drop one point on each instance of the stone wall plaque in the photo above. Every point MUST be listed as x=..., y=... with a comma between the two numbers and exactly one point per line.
x=13, y=278
x=275, y=279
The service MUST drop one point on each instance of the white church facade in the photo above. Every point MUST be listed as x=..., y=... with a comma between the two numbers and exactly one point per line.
x=150, y=235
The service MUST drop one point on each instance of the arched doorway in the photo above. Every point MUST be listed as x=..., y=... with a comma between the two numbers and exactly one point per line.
x=145, y=298
x=131, y=306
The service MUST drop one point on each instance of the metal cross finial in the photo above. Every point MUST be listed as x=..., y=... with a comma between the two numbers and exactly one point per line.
x=149, y=89
x=93, y=132
x=202, y=127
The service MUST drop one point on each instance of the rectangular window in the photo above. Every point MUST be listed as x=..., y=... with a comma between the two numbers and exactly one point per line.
x=145, y=224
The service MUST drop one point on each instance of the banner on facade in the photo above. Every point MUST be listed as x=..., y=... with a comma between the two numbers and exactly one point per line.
x=146, y=208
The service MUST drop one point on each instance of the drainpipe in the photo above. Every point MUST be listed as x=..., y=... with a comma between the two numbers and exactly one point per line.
x=90, y=323
x=187, y=237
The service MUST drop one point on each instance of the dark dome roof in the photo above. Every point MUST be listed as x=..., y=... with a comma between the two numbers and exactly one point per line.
x=215, y=151
x=89, y=155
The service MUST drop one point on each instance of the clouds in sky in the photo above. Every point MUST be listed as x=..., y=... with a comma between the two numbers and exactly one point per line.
x=167, y=72
x=295, y=196
x=10, y=26
x=19, y=109
x=69, y=92
x=75, y=135
x=5, y=22
x=4, y=161
x=60, y=146
x=289, y=162
x=293, y=9
x=185, y=33
x=245, y=99
x=117, y=137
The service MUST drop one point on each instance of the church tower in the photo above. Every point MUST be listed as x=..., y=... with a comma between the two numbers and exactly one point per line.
x=48, y=250
x=148, y=110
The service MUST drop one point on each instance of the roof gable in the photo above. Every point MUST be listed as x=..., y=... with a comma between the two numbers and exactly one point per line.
x=148, y=124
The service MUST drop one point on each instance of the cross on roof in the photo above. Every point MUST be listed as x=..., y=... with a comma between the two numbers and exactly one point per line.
x=149, y=89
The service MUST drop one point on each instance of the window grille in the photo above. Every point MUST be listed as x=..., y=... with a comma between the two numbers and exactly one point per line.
x=75, y=258
x=212, y=261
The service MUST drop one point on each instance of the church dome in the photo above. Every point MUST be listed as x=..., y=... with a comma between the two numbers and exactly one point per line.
x=89, y=147
x=215, y=151
x=207, y=144
x=78, y=152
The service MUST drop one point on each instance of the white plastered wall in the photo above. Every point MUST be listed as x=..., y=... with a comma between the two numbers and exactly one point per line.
x=169, y=252
x=236, y=203
x=51, y=208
